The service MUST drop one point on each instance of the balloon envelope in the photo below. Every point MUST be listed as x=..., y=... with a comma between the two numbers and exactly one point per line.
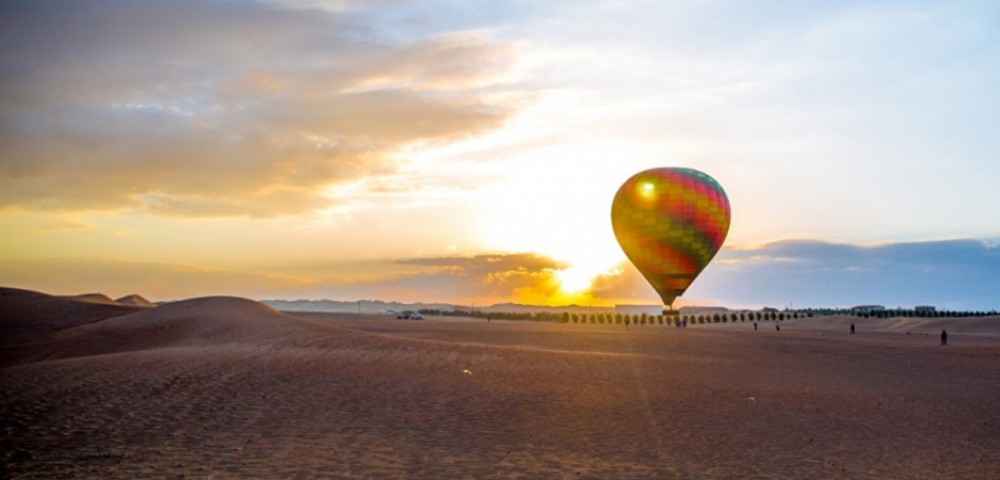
x=670, y=222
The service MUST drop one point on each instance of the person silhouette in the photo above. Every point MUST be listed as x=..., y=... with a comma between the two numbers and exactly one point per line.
x=944, y=338
x=852, y=329
x=755, y=326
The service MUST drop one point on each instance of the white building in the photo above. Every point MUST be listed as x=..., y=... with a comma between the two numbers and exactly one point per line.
x=702, y=310
x=639, y=309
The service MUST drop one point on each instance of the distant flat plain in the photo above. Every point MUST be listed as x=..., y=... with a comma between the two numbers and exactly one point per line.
x=228, y=388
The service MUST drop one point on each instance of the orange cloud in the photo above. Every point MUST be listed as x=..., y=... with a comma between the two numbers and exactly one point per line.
x=195, y=124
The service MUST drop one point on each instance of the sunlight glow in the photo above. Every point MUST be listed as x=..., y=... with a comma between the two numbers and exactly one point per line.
x=552, y=207
x=539, y=199
x=575, y=280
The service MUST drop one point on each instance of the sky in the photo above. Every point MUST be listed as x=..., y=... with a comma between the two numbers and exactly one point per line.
x=468, y=151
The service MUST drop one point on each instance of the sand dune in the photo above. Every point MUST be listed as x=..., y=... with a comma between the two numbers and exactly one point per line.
x=98, y=298
x=229, y=388
x=26, y=313
x=205, y=322
x=135, y=300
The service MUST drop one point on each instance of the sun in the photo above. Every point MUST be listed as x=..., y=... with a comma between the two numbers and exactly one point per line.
x=575, y=280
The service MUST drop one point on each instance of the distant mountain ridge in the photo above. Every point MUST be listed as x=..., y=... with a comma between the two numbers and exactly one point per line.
x=379, y=306
x=362, y=306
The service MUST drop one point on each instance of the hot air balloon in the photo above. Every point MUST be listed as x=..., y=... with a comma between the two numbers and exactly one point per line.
x=670, y=222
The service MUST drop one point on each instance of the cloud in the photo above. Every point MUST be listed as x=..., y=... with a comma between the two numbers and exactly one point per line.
x=961, y=274
x=222, y=108
x=809, y=101
x=154, y=280
x=462, y=279
x=485, y=263
x=44, y=224
x=623, y=285
x=486, y=279
x=520, y=277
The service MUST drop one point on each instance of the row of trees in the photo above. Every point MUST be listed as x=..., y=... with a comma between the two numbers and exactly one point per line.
x=899, y=312
x=768, y=314
x=607, y=318
x=922, y=313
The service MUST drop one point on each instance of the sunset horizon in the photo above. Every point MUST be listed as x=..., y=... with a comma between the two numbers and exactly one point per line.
x=434, y=152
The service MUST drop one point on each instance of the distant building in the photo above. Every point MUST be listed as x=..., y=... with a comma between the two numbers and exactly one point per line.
x=639, y=309
x=702, y=310
x=924, y=308
x=868, y=308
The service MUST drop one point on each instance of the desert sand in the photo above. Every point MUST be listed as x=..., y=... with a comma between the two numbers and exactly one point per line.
x=225, y=387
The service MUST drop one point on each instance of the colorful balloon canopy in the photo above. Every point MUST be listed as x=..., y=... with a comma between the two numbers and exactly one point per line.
x=670, y=222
